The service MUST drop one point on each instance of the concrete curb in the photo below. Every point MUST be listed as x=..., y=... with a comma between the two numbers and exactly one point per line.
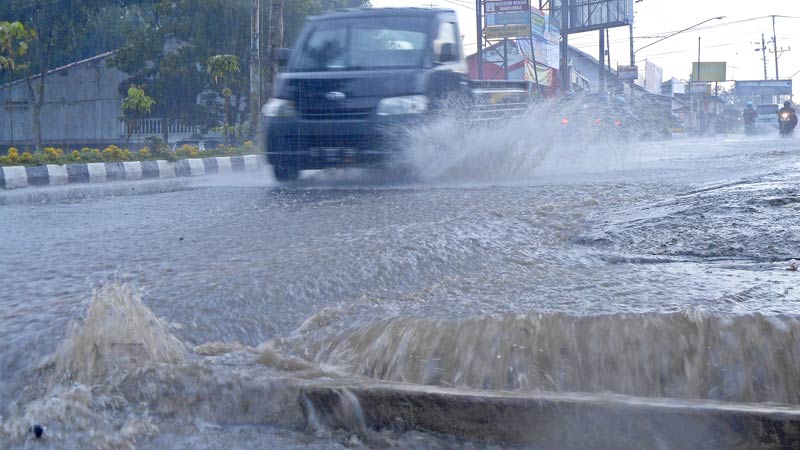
x=13, y=177
x=552, y=420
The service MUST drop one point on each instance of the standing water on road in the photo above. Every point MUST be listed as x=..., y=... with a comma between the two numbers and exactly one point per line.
x=194, y=316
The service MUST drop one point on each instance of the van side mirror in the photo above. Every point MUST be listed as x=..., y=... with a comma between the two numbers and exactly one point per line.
x=449, y=53
x=283, y=55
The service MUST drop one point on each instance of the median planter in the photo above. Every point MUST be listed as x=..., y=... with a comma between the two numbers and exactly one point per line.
x=12, y=177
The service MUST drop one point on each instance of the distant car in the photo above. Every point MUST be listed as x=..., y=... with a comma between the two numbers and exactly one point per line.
x=201, y=144
x=767, y=115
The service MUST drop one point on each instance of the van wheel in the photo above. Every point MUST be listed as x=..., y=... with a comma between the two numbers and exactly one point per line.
x=286, y=172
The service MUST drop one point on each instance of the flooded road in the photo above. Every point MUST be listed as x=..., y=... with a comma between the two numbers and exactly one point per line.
x=655, y=270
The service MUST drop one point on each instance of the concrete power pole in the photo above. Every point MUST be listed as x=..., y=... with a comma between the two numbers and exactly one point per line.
x=255, y=69
x=275, y=42
x=775, y=50
x=764, y=54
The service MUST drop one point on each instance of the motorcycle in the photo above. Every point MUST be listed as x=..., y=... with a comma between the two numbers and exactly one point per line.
x=749, y=127
x=786, y=124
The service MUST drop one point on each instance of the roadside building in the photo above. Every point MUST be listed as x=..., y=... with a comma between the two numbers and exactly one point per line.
x=82, y=106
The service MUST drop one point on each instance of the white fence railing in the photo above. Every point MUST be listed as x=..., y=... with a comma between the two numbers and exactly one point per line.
x=155, y=127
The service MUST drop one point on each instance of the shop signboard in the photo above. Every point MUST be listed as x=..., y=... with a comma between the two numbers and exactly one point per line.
x=506, y=6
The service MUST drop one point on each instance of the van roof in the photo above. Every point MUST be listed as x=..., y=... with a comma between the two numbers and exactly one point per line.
x=372, y=12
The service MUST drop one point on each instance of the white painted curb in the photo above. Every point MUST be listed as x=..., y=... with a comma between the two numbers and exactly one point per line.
x=133, y=170
x=57, y=174
x=97, y=172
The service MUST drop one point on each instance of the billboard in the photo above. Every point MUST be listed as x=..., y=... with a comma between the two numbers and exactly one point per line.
x=515, y=18
x=546, y=52
x=507, y=31
x=763, y=87
x=588, y=15
x=505, y=6
x=627, y=73
x=709, y=72
x=699, y=88
x=653, y=75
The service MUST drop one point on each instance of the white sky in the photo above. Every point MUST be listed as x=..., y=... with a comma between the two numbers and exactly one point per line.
x=728, y=40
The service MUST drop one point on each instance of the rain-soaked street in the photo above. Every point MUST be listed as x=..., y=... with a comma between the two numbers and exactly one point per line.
x=658, y=269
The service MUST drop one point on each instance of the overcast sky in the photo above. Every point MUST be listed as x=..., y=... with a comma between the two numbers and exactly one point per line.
x=732, y=39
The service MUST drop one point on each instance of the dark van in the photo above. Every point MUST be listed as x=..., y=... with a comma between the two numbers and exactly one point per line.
x=354, y=78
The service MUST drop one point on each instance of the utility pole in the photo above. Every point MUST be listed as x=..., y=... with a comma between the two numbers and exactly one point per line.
x=775, y=50
x=255, y=69
x=563, y=66
x=479, y=25
x=602, y=60
x=700, y=106
x=763, y=50
x=698, y=60
x=275, y=41
x=608, y=52
x=633, y=54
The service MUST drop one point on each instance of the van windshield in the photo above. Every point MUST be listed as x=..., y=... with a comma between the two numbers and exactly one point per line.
x=767, y=109
x=348, y=44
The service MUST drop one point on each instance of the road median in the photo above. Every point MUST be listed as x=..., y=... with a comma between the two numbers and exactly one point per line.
x=15, y=177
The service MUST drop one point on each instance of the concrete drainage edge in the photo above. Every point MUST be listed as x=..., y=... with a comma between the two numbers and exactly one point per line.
x=12, y=177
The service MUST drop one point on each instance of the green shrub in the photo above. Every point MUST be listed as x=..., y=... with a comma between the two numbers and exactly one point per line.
x=112, y=153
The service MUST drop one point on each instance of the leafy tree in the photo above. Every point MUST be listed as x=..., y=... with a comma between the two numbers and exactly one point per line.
x=14, y=42
x=220, y=67
x=168, y=46
x=135, y=106
x=60, y=26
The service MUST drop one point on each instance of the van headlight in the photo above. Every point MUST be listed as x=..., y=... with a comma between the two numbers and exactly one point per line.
x=278, y=107
x=409, y=104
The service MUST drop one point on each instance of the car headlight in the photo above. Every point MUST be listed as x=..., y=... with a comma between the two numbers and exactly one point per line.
x=278, y=107
x=409, y=104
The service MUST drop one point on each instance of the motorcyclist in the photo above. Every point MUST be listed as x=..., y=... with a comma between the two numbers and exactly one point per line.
x=787, y=108
x=749, y=115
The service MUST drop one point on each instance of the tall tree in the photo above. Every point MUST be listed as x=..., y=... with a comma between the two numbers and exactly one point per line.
x=60, y=26
x=220, y=67
x=169, y=47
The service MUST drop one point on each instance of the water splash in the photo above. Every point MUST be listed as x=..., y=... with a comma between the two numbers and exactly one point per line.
x=120, y=362
x=577, y=131
x=118, y=331
x=77, y=389
x=692, y=354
